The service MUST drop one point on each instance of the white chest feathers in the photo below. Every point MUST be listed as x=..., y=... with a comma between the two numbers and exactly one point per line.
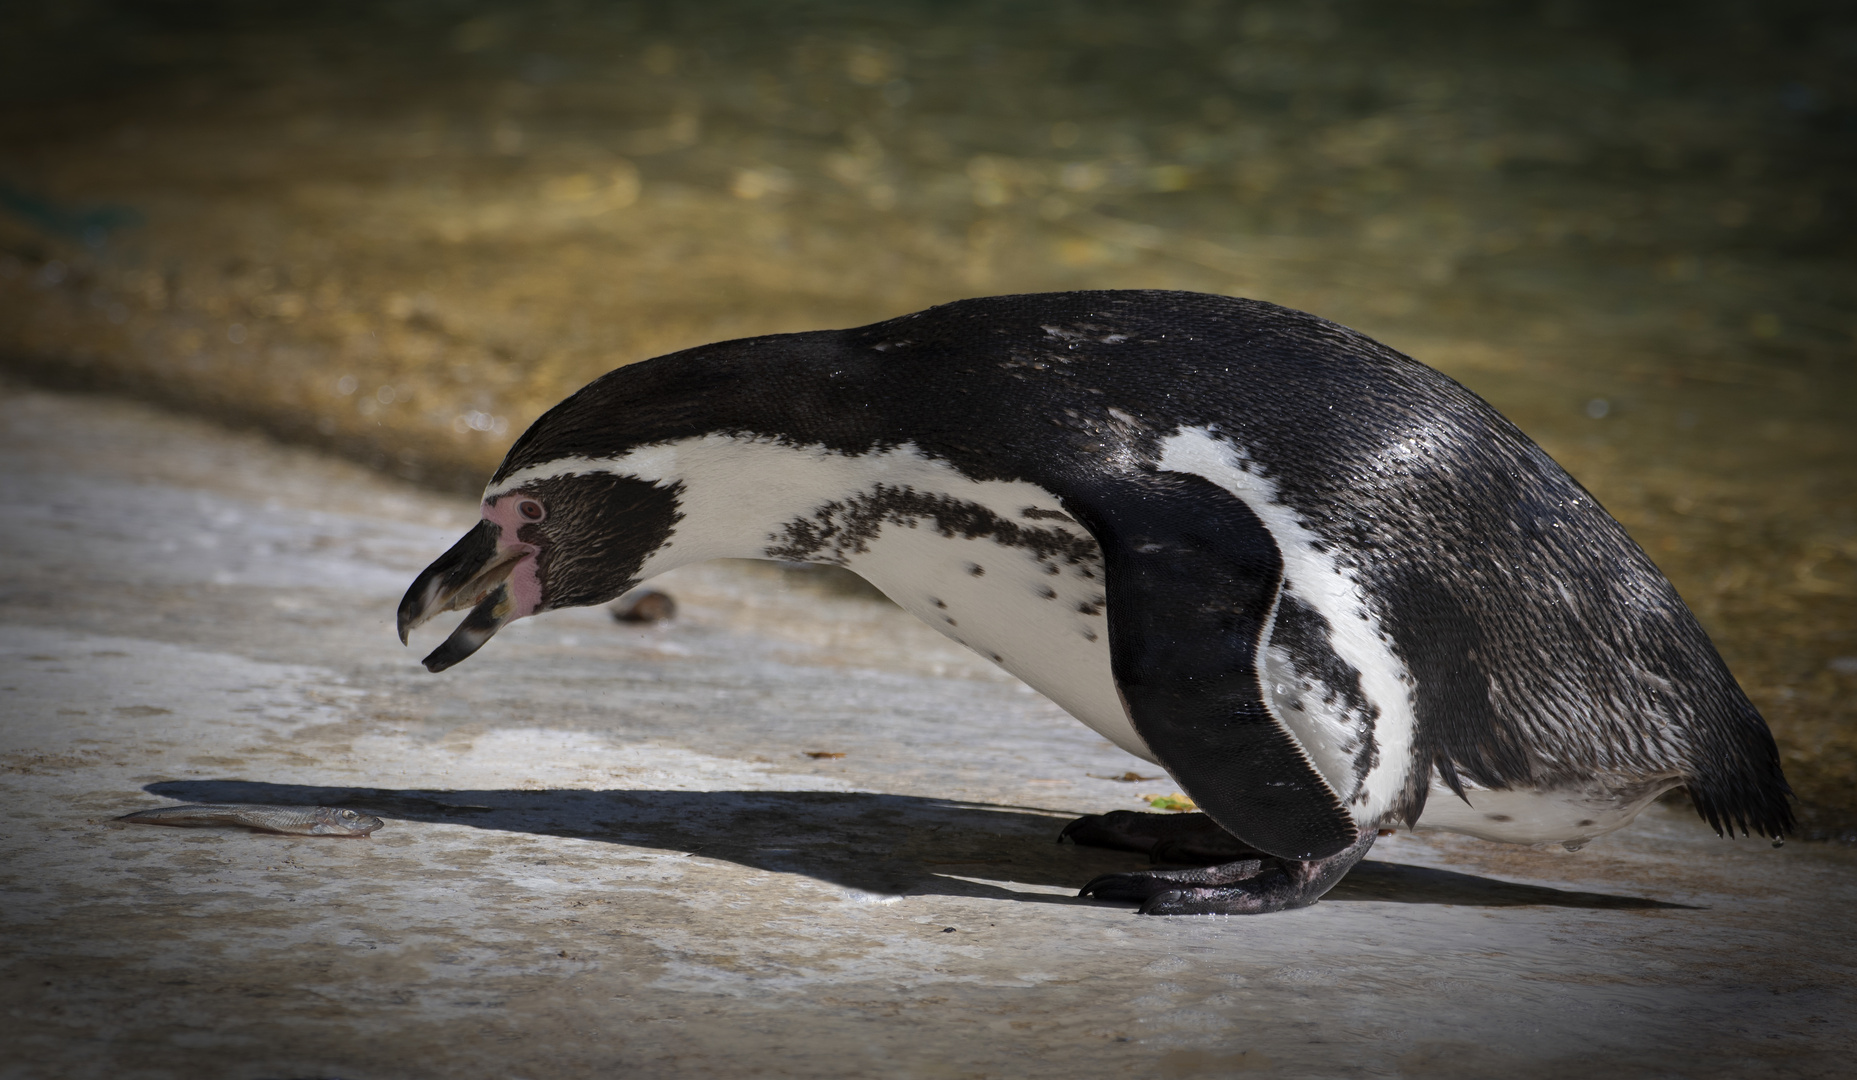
x=1012, y=578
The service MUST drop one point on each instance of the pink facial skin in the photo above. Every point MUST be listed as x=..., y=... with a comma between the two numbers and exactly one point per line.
x=525, y=588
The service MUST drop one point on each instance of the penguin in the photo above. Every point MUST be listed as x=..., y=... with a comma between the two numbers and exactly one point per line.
x=1324, y=586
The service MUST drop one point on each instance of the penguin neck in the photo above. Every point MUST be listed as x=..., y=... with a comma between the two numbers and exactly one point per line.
x=759, y=497
x=737, y=491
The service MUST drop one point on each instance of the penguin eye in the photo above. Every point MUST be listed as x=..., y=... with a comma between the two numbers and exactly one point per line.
x=531, y=510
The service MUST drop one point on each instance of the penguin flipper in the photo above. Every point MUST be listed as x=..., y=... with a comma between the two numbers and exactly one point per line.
x=1245, y=887
x=1191, y=580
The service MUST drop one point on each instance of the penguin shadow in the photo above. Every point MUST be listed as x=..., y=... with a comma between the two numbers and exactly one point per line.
x=890, y=845
x=1402, y=883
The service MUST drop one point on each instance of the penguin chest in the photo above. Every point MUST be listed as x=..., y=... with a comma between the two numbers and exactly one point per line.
x=1001, y=570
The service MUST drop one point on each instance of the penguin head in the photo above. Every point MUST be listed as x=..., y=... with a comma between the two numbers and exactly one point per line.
x=586, y=500
x=553, y=537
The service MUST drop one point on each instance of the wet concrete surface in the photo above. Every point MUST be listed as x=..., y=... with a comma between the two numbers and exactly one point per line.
x=618, y=847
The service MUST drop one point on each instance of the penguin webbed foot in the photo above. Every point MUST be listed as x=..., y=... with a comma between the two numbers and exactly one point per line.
x=1179, y=839
x=1243, y=887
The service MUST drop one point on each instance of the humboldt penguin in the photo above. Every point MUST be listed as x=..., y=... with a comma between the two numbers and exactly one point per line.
x=1324, y=586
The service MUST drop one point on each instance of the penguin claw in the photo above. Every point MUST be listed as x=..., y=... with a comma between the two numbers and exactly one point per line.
x=1244, y=887
x=1262, y=900
x=1145, y=885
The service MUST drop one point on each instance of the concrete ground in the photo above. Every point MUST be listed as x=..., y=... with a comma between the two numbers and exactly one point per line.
x=614, y=850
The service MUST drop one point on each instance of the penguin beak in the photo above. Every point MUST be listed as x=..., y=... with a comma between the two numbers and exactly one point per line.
x=475, y=574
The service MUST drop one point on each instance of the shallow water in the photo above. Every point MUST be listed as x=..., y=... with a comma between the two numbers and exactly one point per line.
x=402, y=231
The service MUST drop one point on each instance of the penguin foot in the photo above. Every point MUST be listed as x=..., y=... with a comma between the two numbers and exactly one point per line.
x=1181, y=839
x=1244, y=887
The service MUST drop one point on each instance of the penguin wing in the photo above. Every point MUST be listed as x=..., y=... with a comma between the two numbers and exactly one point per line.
x=1192, y=578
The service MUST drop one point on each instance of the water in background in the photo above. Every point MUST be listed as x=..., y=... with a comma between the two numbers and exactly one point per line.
x=403, y=229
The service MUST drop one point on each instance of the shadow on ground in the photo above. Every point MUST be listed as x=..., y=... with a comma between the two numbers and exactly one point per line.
x=876, y=843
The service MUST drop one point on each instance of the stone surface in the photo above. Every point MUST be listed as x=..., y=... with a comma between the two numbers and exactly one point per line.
x=617, y=847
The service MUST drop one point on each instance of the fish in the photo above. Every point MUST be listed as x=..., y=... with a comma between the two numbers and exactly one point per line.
x=293, y=820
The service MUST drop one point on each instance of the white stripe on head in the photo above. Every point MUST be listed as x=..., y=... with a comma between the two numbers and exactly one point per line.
x=740, y=489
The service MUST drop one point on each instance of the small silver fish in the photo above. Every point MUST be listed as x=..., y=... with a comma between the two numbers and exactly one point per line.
x=295, y=820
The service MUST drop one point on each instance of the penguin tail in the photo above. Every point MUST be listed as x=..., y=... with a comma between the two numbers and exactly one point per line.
x=1769, y=813
x=1735, y=778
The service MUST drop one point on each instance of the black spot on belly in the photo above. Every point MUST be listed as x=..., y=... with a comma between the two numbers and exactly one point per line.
x=1089, y=635
x=836, y=530
x=976, y=569
x=938, y=603
x=996, y=657
x=1048, y=592
x=1091, y=607
x=949, y=619
x=1588, y=821
x=1499, y=817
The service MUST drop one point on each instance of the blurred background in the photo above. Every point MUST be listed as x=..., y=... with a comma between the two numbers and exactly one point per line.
x=399, y=230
